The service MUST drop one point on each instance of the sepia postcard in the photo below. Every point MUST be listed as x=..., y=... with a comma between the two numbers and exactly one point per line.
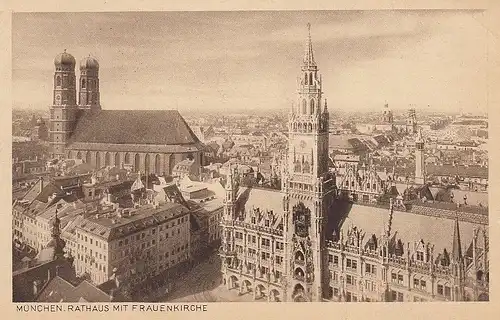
x=186, y=162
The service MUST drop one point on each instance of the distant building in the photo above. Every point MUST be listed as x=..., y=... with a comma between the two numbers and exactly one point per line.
x=40, y=131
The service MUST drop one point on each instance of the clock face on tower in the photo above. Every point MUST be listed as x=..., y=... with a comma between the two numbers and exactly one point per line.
x=58, y=98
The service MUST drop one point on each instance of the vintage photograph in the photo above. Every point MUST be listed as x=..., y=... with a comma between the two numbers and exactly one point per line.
x=250, y=156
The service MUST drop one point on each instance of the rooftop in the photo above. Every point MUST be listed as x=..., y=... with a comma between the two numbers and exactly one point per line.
x=162, y=127
x=111, y=225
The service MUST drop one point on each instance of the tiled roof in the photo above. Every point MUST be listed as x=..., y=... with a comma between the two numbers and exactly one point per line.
x=463, y=171
x=114, y=227
x=339, y=141
x=409, y=226
x=265, y=199
x=22, y=280
x=160, y=127
x=60, y=290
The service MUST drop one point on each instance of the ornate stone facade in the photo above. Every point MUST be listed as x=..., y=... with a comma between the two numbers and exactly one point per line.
x=298, y=244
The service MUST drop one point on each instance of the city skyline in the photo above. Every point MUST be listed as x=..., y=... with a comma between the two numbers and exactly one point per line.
x=226, y=60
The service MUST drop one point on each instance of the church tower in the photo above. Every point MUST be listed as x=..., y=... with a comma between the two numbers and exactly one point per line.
x=89, y=96
x=411, y=122
x=419, y=159
x=308, y=187
x=63, y=110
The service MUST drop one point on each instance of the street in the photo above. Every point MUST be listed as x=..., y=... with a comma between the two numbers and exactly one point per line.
x=203, y=284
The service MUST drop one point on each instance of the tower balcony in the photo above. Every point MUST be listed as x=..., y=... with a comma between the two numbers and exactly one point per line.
x=227, y=252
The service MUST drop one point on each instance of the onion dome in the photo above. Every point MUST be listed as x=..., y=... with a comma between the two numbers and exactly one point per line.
x=89, y=63
x=64, y=59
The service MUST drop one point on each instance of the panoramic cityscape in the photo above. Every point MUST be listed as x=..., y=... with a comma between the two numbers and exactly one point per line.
x=295, y=190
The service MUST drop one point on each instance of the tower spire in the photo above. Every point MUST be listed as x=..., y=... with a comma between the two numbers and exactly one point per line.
x=457, y=246
x=309, y=55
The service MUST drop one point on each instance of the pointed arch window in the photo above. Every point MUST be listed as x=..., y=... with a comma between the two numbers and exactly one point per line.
x=304, y=106
x=157, y=164
x=58, y=81
x=117, y=159
x=87, y=157
x=311, y=105
x=83, y=83
x=305, y=79
x=137, y=162
x=146, y=163
x=310, y=78
x=97, y=160
x=107, y=159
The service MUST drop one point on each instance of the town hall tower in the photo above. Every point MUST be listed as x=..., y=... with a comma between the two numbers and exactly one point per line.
x=308, y=187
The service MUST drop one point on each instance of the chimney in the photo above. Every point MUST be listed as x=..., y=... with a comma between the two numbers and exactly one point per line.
x=36, y=287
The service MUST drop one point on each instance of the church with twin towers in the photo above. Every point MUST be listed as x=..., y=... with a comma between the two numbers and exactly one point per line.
x=314, y=241
x=150, y=141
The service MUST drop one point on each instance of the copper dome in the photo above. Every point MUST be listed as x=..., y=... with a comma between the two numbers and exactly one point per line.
x=65, y=59
x=89, y=63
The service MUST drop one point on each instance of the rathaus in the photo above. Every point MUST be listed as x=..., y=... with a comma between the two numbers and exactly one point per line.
x=306, y=242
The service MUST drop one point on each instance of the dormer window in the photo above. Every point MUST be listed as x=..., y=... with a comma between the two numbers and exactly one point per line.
x=420, y=256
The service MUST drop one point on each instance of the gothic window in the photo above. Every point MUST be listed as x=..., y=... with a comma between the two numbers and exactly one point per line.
x=97, y=160
x=83, y=83
x=157, y=164
x=420, y=256
x=305, y=78
x=311, y=105
x=306, y=167
x=310, y=78
x=87, y=157
x=304, y=106
x=117, y=159
x=78, y=155
x=137, y=162
x=146, y=164
x=297, y=166
x=374, y=186
x=107, y=159
x=127, y=158
x=58, y=81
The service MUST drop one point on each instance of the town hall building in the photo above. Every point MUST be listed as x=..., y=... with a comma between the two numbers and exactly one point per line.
x=310, y=241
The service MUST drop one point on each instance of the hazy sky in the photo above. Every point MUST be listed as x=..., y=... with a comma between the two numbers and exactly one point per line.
x=245, y=60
